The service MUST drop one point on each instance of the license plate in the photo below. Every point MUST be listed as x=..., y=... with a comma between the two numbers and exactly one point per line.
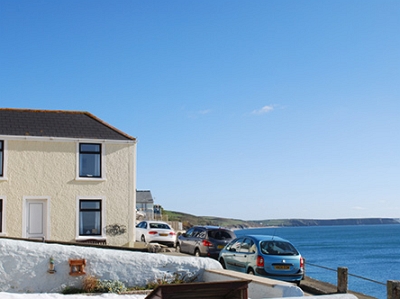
x=282, y=267
x=164, y=235
x=220, y=246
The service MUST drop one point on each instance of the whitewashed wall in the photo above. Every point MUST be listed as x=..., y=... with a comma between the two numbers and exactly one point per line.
x=48, y=169
x=24, y=266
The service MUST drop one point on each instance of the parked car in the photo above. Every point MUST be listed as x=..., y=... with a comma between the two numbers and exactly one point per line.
x=155, y=232
x=204, y=240
x=263, y=255
x=140, y=215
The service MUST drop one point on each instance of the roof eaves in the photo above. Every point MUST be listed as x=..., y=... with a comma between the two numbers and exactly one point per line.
x=108, y=125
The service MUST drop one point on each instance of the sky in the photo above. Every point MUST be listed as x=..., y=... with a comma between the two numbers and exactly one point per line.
x=242, y=109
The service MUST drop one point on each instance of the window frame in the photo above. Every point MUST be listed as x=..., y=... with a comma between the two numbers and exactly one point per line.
x=3, y=159
x=2, y=215
x=101, y=234
x=101, y=157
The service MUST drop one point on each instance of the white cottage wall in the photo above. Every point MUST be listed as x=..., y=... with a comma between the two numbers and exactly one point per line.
x=48, y=170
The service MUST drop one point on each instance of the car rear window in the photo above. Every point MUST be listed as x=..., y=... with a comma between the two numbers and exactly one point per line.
x=278, y=248
x=220, y=234
x=159, y=225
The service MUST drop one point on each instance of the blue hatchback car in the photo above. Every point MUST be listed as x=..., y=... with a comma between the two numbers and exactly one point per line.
x=263, y=255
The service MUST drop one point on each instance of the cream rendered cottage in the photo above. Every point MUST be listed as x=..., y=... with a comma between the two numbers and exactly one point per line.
x=66, y=176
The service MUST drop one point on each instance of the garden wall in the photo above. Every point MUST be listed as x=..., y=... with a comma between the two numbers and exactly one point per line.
x=25, y=266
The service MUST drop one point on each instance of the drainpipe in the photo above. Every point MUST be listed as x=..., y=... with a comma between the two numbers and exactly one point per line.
x=132, y=196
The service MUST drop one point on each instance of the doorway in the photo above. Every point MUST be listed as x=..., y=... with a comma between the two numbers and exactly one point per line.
x=36, y=219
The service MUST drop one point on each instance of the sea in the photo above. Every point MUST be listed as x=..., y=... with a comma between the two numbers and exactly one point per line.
x=371, y=253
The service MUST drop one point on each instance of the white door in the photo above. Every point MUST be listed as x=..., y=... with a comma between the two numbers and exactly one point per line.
x=36, y=219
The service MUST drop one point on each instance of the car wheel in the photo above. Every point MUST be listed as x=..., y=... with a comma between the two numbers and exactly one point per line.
x=143, y=239
x=222, y=262
x=250, y=271
x=178, y=248
x=197, y=252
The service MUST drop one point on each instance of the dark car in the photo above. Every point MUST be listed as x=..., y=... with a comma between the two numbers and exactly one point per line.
x=268, y=256
x=204, y=240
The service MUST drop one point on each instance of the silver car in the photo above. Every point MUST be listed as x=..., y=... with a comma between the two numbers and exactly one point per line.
x=204, y=240
x=263, y=255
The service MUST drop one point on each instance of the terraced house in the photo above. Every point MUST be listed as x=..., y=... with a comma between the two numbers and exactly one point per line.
x=66, y=176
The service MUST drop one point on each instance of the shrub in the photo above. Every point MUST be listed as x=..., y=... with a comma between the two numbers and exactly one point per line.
x=175, y=279
x=110, y=286
x=90, y=284
x=71, y=290
x=93, y=285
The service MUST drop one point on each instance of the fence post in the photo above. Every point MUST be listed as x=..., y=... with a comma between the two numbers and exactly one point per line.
x=393, y=289
x=342, y=280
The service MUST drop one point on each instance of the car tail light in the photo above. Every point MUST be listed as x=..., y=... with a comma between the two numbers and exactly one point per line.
x=260, y=261
x=301, y=263
x=152, y=232
x=172, y=233
x=207, y=243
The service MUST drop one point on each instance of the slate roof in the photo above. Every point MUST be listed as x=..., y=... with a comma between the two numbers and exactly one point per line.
x=57, y=123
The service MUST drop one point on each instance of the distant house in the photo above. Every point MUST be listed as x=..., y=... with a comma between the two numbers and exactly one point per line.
x=66, y=175
x=145, y=203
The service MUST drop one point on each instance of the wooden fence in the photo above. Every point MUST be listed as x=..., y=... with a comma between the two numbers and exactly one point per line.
x=392, y=286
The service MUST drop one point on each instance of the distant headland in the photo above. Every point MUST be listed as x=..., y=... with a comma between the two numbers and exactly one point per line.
x=189, y=220
x=328, y=222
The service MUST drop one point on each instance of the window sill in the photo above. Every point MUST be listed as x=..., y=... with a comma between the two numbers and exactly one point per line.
x=89, y=179
x=91, y=240
x=2, y=178
x=84, y=237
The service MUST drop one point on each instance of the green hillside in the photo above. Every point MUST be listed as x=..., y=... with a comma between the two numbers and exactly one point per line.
x=189, y=220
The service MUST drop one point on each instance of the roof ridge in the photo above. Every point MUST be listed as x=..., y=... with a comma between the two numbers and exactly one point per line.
x=70, y=112
x=44, y=110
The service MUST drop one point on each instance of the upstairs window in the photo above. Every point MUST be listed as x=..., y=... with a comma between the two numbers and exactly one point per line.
x=90, y=160
x=1, y=157
x=90, y=217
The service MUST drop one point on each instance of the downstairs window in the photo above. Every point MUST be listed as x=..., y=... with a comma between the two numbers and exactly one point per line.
x=90, y=218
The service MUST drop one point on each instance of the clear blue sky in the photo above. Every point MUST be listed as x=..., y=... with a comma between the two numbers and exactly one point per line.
x=243, y=109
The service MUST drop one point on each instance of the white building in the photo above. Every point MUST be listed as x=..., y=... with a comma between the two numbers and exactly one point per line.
x=66, y=176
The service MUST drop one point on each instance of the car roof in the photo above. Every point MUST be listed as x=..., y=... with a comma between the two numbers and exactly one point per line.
x=210, y=227
x=264, y=238
x=155, y=221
